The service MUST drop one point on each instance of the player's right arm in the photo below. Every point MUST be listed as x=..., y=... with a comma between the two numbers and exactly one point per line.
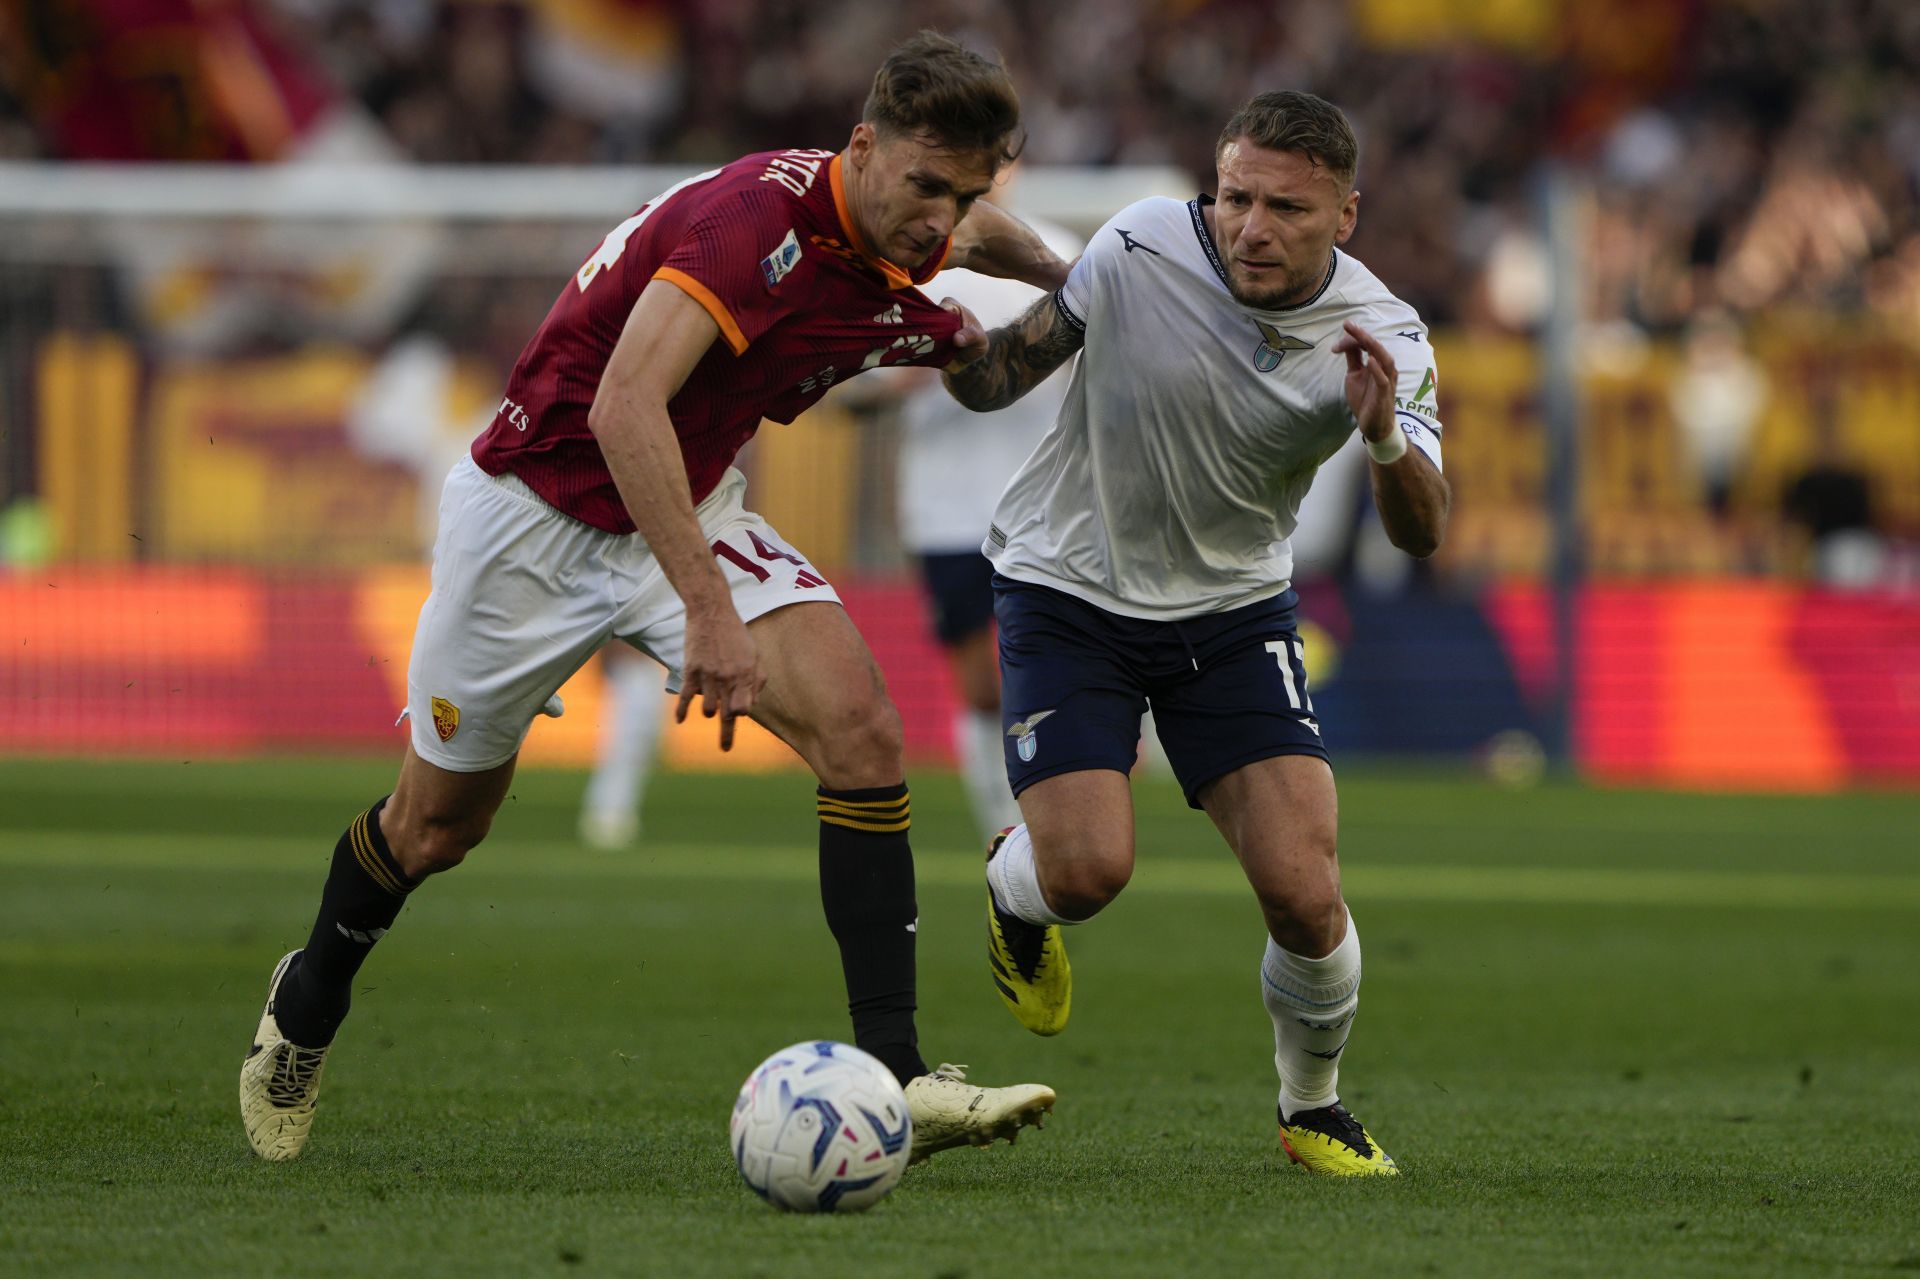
x=665, y=336
x=1017, y=358
x=1409, y=492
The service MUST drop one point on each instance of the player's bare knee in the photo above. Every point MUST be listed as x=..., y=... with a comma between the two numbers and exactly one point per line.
x=1308, y=919
x=1083, y=887
x=862, y=745
x=429, y=845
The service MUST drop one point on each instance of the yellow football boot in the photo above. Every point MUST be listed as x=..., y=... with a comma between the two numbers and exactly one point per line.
x=1029, y=964
x=1329, y=1141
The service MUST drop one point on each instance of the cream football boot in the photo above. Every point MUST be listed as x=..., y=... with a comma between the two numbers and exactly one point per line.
x=948, y=1111
x=279, y=1082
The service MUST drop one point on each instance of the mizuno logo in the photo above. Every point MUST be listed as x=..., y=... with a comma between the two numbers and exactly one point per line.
x=1126, y=238
x=1411, y=335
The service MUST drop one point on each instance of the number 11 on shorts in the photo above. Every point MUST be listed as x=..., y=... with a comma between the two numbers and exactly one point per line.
x=1297, y=696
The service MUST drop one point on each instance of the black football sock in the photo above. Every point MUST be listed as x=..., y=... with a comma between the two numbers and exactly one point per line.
x=364, y=892
x=866, y=885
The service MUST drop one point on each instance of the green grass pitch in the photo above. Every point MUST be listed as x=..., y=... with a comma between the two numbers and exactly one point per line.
x=1603, y=1033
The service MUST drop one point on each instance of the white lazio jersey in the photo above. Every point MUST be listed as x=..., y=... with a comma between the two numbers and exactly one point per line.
x=953, y=461
x=1193, y=425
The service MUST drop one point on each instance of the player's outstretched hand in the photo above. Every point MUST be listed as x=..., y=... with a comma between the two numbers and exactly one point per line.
x=721, y=668
x=1371, y=379
x=970, y=343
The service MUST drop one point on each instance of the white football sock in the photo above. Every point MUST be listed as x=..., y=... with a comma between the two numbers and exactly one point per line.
x=1015, y=881
x=977, y=740
x=1312, y=1003
x=629, y=734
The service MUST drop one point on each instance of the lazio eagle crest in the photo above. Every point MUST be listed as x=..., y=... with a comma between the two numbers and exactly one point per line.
x=1274, y=347
x=1024, y=741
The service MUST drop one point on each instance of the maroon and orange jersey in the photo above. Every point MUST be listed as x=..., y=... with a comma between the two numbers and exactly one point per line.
x=766, y=246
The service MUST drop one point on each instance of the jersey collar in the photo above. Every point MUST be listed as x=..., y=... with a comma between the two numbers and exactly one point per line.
x=893, y=275
x=1196, y=207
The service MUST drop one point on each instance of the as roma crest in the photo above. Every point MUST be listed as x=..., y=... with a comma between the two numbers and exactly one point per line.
x=446, y=718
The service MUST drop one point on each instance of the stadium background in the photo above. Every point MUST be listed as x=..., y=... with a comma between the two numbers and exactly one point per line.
x=264, y=266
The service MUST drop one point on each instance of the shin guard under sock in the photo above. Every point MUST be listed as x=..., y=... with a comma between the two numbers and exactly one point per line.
x=866, y=886
x=364, y=892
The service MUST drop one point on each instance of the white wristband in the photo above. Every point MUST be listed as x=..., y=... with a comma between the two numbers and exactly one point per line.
x=1389, y=450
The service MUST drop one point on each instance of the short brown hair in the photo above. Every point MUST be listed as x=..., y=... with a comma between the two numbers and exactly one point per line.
x=1288, y=120
x=937, y=86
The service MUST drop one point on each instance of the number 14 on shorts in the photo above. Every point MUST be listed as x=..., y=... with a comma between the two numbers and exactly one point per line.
x=803, y=578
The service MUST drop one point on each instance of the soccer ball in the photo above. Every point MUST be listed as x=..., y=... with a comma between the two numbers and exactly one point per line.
x=821, y=1127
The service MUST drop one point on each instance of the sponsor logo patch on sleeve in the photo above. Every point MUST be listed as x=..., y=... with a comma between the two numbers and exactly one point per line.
x=1424, y=406
x=782, y=260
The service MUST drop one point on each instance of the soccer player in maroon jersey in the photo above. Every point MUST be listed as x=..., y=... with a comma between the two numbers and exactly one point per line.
x=601, y=504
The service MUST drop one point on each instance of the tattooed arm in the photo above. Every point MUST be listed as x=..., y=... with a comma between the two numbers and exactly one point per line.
x=1017, y=358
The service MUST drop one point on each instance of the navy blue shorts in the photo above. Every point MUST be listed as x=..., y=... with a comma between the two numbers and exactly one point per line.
x=1226, y=689
x=959, y=586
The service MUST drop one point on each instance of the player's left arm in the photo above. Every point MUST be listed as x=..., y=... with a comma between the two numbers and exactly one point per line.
x=1413, y=498
x=994, y=242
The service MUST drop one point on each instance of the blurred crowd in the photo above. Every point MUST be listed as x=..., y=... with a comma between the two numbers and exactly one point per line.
x=1746, y=152
x=1742, y=160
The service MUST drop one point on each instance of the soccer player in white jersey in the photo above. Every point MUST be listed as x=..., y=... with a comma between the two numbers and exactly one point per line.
x=1229, y=348
x=953, y=464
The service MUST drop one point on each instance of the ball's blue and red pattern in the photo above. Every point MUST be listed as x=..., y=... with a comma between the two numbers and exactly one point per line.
x=821, y=1127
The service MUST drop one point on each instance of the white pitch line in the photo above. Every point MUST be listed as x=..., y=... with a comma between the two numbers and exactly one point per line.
x=1499, y=885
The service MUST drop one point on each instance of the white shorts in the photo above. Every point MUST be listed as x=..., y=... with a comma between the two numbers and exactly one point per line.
x=523, y=596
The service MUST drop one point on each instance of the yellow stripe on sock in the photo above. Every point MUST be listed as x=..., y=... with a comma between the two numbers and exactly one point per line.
x=890, y=802
x=889, y=808
x=863, y=819
x=369, y=860
x=369, y=864
x=869, y=826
